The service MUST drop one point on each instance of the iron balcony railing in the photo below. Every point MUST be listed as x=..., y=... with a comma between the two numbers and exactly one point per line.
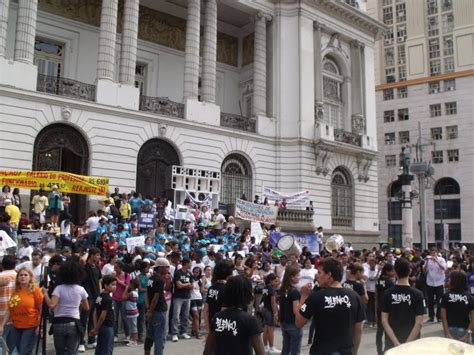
x=343, y=136
x=65, y=87
x=162, y=106
x=238, y=122
x=289, y=215
x=342, y=222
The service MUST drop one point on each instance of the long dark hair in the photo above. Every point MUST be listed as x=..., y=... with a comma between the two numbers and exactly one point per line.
x=458, y=282
x=237, y=292
x=286, y=284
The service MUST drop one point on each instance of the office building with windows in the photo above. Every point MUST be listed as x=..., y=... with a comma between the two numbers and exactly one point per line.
x=267, y=93
x=425, y=76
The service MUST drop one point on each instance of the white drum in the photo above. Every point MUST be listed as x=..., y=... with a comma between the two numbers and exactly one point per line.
x=289, y=246
x=334, y=242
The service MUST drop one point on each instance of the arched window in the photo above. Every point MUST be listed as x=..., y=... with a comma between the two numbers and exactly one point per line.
x=342, y=191
x=447, y=208
x=236, y=178
x=394, y=209
x=332, y=90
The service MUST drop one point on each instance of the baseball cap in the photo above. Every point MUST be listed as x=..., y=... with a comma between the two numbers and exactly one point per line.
x=161, y=262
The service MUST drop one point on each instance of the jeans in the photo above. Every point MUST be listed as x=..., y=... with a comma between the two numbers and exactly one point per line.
x=458, y=333
x=157, y=331
x=291, y=339
x=7, y=336
x=105, y=341
x=66, y=338
x=87, y=321
x=371, y=308
x=119, y=313
x=23, y=339
x=141, y=318
x=432, y=293
x=181, y=310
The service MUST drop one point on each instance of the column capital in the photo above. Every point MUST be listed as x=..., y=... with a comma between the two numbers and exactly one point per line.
x=357, y=44
x=261, y=15
x=318, y=26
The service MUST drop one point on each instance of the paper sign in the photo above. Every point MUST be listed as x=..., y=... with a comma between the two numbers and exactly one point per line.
x=256, y=231
x=134, y=242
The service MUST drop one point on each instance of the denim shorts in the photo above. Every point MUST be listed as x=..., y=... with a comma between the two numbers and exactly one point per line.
x=458, y=333
x=132, y=324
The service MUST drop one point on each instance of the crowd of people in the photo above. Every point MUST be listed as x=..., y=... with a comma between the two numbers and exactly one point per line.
x=207, y=277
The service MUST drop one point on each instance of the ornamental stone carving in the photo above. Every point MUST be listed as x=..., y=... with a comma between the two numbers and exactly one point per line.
x=323, y=157
x=363, y=165
x=358, y=124
x=66, y=113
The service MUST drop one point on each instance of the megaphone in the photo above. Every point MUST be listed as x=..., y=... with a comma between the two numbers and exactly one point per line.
x=334, y=242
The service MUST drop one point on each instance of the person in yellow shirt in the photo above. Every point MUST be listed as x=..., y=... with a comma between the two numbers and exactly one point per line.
x=15, y=215
x=125, y=209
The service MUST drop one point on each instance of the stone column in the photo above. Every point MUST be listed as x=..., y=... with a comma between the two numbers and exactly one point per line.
x=191, y=58
x=260, y=65
x=107, y=37
x=407, y=211
x=357, y=90
x=128, y=57
x=318, y=76
x=4, y=4
x=26, y=31
x=210, y=52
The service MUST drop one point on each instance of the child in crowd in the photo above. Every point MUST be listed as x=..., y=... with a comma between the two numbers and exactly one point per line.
x=270, y=311
x=131, y=310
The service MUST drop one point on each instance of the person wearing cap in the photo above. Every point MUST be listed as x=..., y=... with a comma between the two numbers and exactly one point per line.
x=157, y=308
x=15, y=214
x=170, y=230
x=181, y=300
x=55, y=205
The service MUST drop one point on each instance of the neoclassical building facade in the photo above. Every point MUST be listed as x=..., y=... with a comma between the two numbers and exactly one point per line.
x=268, y=93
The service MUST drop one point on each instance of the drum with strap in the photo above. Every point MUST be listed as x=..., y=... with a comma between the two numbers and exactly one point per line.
x=289, y=246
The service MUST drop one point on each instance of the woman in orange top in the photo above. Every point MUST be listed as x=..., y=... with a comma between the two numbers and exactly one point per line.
x=24, y=310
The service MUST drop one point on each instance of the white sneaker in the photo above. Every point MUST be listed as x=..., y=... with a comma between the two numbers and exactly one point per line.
x=174, y=339
x=266, y=348
x=274, y=350
x=82, y=348
x=132, y=343
x=115, y=339
x=185, y=336
x=91, y=346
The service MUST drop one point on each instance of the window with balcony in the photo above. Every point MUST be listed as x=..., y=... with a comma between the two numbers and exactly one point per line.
x=401, y=55
x=451, y=132
x=402, y=92
x=389, y=57
x=437, y=157
x=453, y=155
x=451, y=108
x=404, y=137
x=401, y=33
x=390, y=160
x=401, y=11
x=435, y=67
x=434, y=48
x=449, y=65
x=389, y=116
x=342, y=192
x=48, y=57
x=403, y=114
x=450, y=85
x=435, y=110
x=434, y=87
x=448, y=45
x=432, y=6
x=433, y=26
x=390, y=75
x=390, y=138
x=387, y=15
x=437, y=133
x=402, y=73
x=332, y=92
x=388, y=94
x=448, y=22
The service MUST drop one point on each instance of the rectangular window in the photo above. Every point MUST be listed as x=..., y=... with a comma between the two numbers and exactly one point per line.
x=402, y=92
x=48, y=57
x=454, y=230
x=453, y=155
x=433, y=26
x=448, y=22
x=402, y=73
x=447, y=208
x=451, y=132
x=434, y=48
x=450, y=85
x=437, y=133
x=446, y=5
x=140, y=78
x=388, y=116
x=434, y=87
x=435, y=67
x=387, y=15
x=388, y=36
x=432, y=6
x=389, y=138
x=448, y=45
x=449, y=65
x=404, y=137
x=401, y=12
x=403, y=114
x=437, y=157
x=401, y=55
x=389, y=57
x=387, y=2
x=451, y=108
x=390, y=75
x=435, y=110
x=390, y=160
x=388, y=94
x=401, y=33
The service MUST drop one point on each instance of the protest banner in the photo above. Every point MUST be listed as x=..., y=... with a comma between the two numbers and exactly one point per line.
x=134, y=242
x=181, y=212
x=146, y=220
x=256, y=231
x=66, y=182
x=254, y=212
x=309, y=240
x=296, y=200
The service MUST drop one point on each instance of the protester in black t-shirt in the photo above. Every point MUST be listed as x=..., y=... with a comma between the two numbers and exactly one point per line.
x=337, y=312
x=384, y=282
x=183, y=284
x=222, y=271
x=354, y=282
x=289, y=306
x=104, y=318
x=402, y=309
x=233, y=330
x=269, y=311
x=456, y=307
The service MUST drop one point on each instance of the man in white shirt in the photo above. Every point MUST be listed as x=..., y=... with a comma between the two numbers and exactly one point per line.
x=34, y=265
x=434, y=268
x=26, y=249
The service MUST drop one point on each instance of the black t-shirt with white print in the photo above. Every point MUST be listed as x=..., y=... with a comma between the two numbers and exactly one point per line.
x=458, y=307
x=286, y=306
x=233, y=329
x=183, y=277
x=382, y=285
x=155, y=286
x=214, y=298
x=104, y=303
x=335, y=312
x=267, y=293
x=403, y=304
x=355, y=286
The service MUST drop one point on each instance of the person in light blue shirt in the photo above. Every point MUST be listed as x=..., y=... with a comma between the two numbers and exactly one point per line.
x=136, y=203
x=150, y=251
